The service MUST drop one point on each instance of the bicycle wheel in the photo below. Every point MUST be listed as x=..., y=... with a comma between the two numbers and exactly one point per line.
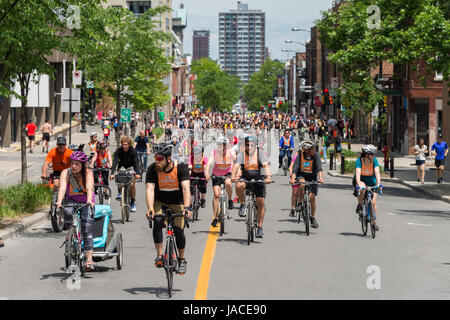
x=69, y=253
x=222, y=216
x=299, y=213
x=127, y=205
x=81, y=260
x=196, y=205
x=372, y=220
x=249, y=223
x=101, y=197
x=119, y=250
x=57, y=219
x=168, y=265
x=307, y=210
x=123, y=205
x=364, y=220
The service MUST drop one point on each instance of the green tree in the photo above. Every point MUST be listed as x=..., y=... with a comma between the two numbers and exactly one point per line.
x=259, y=90
x=122, y=52
x=215, y=88
x=30, y=31
x=410, y=31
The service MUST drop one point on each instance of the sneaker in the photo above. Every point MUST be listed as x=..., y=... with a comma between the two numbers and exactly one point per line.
x=43, y=149
x=159, y=262
x=106, y=196
x=260, y=232
x=230, y=205
x=292, y=214
x=202, y=203
x=182, y=266
x=119, y=196
x=214, y=222
x=133, y=207
x=377, y=228
x=242, y=211
x=314, y=223
x=359, y=209
x=439, y=181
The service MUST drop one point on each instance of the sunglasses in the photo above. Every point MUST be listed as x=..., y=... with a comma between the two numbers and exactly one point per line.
x=159, y=158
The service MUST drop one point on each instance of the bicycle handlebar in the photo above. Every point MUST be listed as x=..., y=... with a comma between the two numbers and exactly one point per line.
x=255, y=181
x=186, y=221
x=78, y=207
x=371, y=188
x=297, y=182
x=197, y=178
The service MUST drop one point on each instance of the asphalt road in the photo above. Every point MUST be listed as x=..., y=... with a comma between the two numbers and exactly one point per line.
x=409, y=254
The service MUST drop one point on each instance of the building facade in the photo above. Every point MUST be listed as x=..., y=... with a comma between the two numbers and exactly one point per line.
x=200, y=44
x=242, y=41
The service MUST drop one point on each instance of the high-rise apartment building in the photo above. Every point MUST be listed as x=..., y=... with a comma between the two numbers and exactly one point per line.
x=242, y=41
x=200, y=47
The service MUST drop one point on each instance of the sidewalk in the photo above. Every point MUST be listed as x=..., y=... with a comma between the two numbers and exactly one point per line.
x=408, y=177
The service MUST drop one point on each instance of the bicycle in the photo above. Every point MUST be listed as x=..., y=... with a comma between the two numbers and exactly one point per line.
x=102, y=195
x=141, y=164
x=123, y=180
x=368, y=209
x=223, y=204
x=305, y=207
x=195, y=204
x=74, y=251
x=56, y=218
x=170, y=258
x=285, y=164
x=251, y=208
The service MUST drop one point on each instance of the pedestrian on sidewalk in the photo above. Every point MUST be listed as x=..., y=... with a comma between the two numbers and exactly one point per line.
x=2, y=244
x=338, y=147
x=440, y=150
x=46, y=130
x=31, y=128
x=326, y=142
x=420, y=151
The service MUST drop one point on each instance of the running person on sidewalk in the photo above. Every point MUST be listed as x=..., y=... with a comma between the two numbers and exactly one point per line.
x=307, y=168
x=46, y=130
x=440, y=150
x=252, y=164
x=168, y=185
x=31, y=128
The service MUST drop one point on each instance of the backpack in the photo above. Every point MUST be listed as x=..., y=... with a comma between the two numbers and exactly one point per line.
x=327, y=141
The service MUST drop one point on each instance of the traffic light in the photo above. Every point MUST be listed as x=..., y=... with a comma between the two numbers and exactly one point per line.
x=331, y=99
x=326, y=97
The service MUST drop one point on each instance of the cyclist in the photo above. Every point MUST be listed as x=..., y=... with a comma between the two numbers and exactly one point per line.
x=249, y=163
x=93, y=142
x=197, y=165
x=367, y=174
x=59, y=157
x=126, y=157
x=221, y=161
x=286, y=143
x=295, y=194
x=78, y=187
x=168, y=130
x=306, y=168
x=142, y=144
x=102, y=159
x=168, y=184
x=177, y=151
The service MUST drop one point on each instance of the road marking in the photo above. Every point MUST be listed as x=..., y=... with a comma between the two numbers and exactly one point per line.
x=391, y=213
x=205, y=269
x=418, y=224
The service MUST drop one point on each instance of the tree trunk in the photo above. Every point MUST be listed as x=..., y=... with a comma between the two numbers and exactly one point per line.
x=118, y=113
x=23, y=141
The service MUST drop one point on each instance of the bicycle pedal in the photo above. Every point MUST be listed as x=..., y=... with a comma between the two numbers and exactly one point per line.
x=63, y=244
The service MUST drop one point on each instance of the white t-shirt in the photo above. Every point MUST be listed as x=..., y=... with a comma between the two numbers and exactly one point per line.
x=421, y=155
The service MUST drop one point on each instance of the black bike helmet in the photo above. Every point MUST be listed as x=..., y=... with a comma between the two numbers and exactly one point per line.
x=163, y=148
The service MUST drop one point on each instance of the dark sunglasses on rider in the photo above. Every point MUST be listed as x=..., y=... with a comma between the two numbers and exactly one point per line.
x=159, y=158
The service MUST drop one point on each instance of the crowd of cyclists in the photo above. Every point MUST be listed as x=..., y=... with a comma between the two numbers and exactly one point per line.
x=234, y=147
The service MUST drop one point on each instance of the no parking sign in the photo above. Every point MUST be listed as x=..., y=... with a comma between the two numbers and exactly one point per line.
x=76, y=77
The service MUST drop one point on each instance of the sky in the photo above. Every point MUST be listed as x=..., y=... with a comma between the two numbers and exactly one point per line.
x=281, y=17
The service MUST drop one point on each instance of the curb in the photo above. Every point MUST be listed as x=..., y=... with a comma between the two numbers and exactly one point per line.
x=397, y=180
x=16, y=170
x=19, y=227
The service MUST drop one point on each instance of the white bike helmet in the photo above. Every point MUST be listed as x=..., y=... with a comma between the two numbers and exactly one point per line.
x=222, y=140
x=369, y=148
x=307, y=144
x=93, y=134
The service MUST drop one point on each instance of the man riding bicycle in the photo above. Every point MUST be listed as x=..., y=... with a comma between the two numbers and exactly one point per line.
x=367, y=174
x=306, y=168
x=249, y=165
x=221, y=160
x=142, y=145
x=102, y=159
x=168, y=184
x=197, y=165
x=126, y=157
x=286, y=143
x=59, y=157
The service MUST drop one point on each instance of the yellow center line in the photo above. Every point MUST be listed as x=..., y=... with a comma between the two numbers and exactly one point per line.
x=205, y=269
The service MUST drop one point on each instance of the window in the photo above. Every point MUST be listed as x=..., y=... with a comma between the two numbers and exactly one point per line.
x=139, y=7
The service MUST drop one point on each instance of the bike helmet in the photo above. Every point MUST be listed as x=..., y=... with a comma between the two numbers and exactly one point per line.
x=92, y=134
x=223, y=140
x=198, y=149
x=79, y=156
x=251, y=138
x=163, y=148
x=101, y=145
x=73, y=147
x=308, y=144
x=369, y=148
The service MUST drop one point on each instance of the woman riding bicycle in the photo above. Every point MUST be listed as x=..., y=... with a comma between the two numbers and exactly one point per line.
x=197, y=165
x=367, y=174
x=77, y=186
x=102, y=159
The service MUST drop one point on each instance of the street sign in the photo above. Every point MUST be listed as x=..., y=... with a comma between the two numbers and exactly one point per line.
x=125, y=115
x=65, y=100
x=318, y=87
x=334, y=82
x=90, y=84
x=76, y=77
